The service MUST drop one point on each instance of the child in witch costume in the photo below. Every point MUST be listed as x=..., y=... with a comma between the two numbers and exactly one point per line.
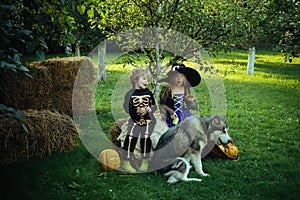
x=139, y=103
x=175, y=98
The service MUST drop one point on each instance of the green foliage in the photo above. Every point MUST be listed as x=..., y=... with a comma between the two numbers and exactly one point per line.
x=284, y=21
x=11, y=112
x=12, y=39
x=17, y=40
x=217, y=25
x=70, y=21
x=263, y=115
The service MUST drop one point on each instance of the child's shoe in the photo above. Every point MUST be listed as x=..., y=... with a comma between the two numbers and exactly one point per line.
x=127, y=167
x=144, y=165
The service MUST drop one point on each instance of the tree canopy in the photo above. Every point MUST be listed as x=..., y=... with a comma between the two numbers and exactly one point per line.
x=218, y=25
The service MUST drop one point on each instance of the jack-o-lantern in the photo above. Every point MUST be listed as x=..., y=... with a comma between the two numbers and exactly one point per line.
x=109, y=160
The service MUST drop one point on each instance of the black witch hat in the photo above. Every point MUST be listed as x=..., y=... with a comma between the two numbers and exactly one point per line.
x=192, y=75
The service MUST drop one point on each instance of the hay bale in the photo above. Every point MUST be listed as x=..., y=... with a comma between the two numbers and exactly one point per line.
x=27, y=92
x=48, y=132
x=116, y=130
x=82, y=99
x=52, y=85
x=63, y=71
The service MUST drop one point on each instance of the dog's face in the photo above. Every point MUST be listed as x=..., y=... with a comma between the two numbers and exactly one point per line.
x=219, y=131
x=224, y=138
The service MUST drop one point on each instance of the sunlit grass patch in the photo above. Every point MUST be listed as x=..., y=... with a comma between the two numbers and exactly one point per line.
x=269, y=68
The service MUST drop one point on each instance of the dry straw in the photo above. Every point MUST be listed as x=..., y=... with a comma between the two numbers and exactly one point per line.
x=46, y=100
x=48, y=132
x=51, y=86
x=116, y=130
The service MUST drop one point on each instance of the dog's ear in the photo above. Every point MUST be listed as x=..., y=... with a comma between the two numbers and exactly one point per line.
x=215, y=121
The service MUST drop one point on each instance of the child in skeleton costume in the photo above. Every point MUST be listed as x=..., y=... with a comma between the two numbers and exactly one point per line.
x=175, y=98
x=139, y=103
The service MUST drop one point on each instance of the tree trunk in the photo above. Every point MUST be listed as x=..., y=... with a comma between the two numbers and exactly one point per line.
x=251, y=57
x=158, y=71
x=77, y=48
x=68, y=49
x=158, y=60
x=101, y=61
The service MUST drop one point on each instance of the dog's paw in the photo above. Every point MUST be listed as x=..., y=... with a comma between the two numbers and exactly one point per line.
x=172, y=180
x=204, y=174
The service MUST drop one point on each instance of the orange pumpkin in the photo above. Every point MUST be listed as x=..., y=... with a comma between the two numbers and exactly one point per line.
x=222, y=147
x=231, y=150
x=109, y=160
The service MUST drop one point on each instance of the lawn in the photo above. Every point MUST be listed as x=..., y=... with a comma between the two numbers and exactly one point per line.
x=263, y=115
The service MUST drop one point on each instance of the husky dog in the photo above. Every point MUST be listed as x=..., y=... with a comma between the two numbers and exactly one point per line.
x=184, y=143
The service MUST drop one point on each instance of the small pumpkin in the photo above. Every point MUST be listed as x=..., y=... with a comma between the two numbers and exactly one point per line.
x=109, y=160
x=231, y=150
x=222, y=147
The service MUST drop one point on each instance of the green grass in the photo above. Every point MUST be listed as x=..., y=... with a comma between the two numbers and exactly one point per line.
x=263, y=114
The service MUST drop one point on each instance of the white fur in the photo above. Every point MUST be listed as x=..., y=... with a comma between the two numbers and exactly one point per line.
x=196, y=161
x=175, y=176
x=225, y=138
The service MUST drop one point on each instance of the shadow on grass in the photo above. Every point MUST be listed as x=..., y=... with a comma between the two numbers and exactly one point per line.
x=291, y=70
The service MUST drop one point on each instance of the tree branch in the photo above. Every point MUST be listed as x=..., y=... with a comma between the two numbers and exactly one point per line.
x=173, y=12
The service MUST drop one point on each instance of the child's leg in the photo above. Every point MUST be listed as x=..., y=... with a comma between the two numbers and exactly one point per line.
x=146, y=145
x=145, y=141
x=129, y=146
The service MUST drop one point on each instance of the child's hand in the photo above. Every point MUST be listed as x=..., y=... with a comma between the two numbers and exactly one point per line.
x=143, y=111
x=190, y=98
x=148, y=109
x=174, y=115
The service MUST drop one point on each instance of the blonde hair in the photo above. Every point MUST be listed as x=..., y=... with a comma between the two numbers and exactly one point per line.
x=136, y=73
x=172, y=79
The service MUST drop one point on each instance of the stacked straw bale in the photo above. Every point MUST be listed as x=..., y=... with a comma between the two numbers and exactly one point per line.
x=26, y=92
x=46, y=100
x=51, y=86
x=48, y=132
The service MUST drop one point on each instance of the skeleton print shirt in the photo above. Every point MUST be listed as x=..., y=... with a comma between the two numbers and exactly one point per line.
x=136, y=99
